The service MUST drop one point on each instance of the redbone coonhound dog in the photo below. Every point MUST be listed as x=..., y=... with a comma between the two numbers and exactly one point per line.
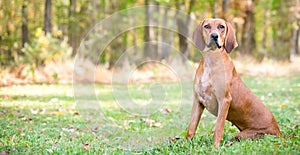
x=219, y=89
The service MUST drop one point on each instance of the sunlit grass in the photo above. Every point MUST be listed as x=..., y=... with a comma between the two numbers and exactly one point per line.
x=44, y=119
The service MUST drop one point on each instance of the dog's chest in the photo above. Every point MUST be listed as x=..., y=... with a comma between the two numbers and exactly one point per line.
x=204, y=90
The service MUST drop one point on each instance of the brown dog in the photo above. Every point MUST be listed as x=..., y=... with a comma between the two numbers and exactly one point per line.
x=219, y=89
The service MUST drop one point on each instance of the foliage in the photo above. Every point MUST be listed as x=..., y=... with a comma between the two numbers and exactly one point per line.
x=42, y=119
x=74, y=18
x=45, y=48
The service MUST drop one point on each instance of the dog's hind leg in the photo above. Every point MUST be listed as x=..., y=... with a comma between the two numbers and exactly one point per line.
x=248, y=134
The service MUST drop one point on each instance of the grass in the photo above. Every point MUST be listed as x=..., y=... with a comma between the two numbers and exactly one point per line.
x=43, y=119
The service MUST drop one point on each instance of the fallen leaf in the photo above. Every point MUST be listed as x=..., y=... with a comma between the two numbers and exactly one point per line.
x=149, y=139
x=12, y=122
x=270, y=94
x=25, y=118
x=4, y=111
x=174, y=139
x=68, y=130
x=54, y=100
x=133, y=115
x=34, y=111
x=153, y=123
x=4, y=152
x=6, y=96
x=23, y=134
x=20, y=129
x=86, y=146
x=158, y=124
x=167, y=110
x=18, y=111
x=149, y=121
x=292, y=135
x=14, y=138
x=282, y=106
x=229, y=143
x=54, y=145
x=58, y=113
x=296, y=126
x=43, y=111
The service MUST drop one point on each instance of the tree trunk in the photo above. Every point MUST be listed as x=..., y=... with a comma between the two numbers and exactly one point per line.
x=215, y=9
x=224, y=9
x=298, y=30
x=248, y=36
x=72, y=33
x=213, y=6
x=156, y=32
x=298, y=41
x=164, y=50
x=295, y=41
x=184, y=26
x=264, y=39
x=134, y=40
x=148, y=49
x=24, y=23
x=47, y=22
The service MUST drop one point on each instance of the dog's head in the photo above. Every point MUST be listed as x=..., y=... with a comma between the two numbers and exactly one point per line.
x=214, y=33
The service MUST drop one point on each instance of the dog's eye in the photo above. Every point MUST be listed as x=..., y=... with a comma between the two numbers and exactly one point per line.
x=207, y=27
x=221, y=27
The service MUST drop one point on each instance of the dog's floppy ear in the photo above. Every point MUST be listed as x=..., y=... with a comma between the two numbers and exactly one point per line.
x=198, y=37
x=230, y=39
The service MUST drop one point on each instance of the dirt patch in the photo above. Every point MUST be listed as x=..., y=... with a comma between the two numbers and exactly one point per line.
x=86, y=71
x=267, y=68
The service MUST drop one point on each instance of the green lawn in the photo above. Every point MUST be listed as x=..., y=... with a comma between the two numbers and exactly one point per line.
x=43, y=119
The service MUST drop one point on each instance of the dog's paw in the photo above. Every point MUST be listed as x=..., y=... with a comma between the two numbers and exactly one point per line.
x=216, y=144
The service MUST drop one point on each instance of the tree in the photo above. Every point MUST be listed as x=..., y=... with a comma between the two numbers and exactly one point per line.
x=248, y=34
x=295, y=41
x=148, y=35
x=184, y=27
x=47, y=22
x=224, y=9
x=72, y=27
x=24, y=23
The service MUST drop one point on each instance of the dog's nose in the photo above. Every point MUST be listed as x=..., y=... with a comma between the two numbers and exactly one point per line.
x=214, y=36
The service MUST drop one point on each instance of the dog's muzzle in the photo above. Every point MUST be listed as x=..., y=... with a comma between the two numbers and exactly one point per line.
x=214, y=40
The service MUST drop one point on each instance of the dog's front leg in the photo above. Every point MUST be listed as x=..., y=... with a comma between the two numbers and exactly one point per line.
x=195, y=117
x=224, y=105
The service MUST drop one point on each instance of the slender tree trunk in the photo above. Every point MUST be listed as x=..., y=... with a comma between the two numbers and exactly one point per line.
x=171, y=36
x=295, y=47
x=47, y=22
x=224, y=9
x=264, y=39
x=148, y=49
x=24, y=23
x=147, y=29
x=213, y=6
x=72, y=33
x=156, y=20
x=298, y=41
x=298, y=30
x=165, y=51
x=215, y=9
x=134, y=40
x=248, y=35
x=184, y=26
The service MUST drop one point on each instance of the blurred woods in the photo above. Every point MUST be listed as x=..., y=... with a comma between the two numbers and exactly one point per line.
x=35, y=32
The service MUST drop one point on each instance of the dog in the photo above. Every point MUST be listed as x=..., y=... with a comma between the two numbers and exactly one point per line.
x=219, y=89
